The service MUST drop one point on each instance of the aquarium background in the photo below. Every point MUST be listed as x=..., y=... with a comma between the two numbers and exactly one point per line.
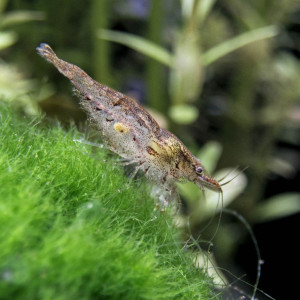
x=222, y=75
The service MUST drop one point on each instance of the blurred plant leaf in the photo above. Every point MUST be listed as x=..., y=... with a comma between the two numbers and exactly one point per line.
x=235, y=43
x=139, y=44
x=183, y=114
x=276, y=207
x=18, y=17
x=230, y=191
x=16, y=89
x=210, y=154
x=7, y=39
x=204, y=8
x=186, y=76
x=282, y=167
x=187, y=7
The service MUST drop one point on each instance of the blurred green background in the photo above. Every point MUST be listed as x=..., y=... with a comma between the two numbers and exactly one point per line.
x=222, y=75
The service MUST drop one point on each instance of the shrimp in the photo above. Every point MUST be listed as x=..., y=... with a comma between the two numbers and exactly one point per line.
x=132, y=133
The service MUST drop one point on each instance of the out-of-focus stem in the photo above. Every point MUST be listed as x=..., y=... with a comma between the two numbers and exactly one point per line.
x=193, y=20
x=101, y=48
x=155, y=71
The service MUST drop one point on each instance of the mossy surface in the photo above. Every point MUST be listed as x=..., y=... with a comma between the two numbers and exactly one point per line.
x=72, y=227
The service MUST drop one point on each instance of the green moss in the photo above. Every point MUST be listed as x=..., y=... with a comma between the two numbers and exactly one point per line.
x=72, y=227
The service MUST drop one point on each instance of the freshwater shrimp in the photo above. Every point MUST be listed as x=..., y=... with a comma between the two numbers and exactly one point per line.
x=132, y=133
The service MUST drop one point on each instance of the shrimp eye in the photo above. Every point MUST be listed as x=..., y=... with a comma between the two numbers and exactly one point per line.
x=199, y=170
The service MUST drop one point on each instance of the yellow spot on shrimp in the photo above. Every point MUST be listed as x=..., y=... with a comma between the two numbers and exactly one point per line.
x=120, y=127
